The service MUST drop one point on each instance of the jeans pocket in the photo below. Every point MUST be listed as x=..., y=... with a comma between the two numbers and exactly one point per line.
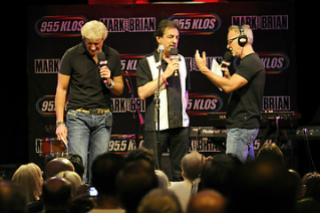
x=109, y=119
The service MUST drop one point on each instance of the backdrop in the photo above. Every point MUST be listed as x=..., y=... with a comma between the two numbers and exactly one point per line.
x=54, y=29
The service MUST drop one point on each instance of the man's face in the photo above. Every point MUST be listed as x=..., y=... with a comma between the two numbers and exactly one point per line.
x=169, y=39
x=93, y=46
x=233, y=45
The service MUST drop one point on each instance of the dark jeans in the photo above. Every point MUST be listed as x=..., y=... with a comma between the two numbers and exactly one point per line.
x=176, y=140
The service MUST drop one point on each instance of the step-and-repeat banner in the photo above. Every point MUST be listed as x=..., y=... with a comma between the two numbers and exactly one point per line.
x=54, y=29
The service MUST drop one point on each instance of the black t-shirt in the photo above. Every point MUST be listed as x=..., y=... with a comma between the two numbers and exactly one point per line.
x=86, y=88
x=245, y=103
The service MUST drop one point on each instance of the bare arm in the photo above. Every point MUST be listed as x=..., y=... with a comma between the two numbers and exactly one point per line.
x=60, y=101
x=228, y=84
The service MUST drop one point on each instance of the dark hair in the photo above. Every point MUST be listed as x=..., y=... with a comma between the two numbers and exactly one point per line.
x=163, y=25
x=104, y=170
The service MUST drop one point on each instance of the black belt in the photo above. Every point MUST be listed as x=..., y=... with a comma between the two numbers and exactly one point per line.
x=96, y=111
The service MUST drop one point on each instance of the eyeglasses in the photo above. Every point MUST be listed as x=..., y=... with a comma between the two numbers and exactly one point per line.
x=231, y=40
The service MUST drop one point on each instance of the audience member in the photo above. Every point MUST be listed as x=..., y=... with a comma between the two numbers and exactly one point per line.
x=313, y=187
x=73, y=178
x=160, y=201
x=147, y=154
x=29, y=176
x=307, y=205
x=207, y=201
x=270, y=152
x=82, y=204
x=13, y=198
x=56, y=195
x=57, y=165
x=191, y=165
x=135, y=180
x=77, y=163
x=105, y=169
x=300, y=188
x=264, y=187
x=218, y=174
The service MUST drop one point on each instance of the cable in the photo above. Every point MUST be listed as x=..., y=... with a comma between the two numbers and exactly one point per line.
x=307, y=145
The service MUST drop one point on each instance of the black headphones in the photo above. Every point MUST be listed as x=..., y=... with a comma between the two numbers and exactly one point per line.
x=243, y=39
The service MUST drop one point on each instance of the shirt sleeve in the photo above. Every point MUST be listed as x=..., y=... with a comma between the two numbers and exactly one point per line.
x=143, y=73
x=66, y=65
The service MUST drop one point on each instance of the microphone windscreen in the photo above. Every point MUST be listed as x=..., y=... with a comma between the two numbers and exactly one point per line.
x=174, y=51
x=101, y=56
x=227, y=56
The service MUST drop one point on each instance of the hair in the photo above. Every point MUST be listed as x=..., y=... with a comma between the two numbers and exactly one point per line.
x=73, y=178
x=57, y=193
x=29, y=176
x=165, y=24
x=135, y=180
x=191, y=164
x=94, y=30
x=160, y=201
x=270, y=152
x=141, y=153
x=247, y=31
x=105, y=169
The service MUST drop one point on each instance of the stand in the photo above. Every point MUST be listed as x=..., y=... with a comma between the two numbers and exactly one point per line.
x=137, y=113
x=157, y=117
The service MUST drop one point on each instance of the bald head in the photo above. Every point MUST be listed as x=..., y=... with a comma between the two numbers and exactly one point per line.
x=207, y=201
x=57, y=165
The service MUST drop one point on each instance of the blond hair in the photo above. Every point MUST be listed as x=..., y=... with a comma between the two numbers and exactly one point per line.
x=246, y=30
x=29, y=176
x=94, y=30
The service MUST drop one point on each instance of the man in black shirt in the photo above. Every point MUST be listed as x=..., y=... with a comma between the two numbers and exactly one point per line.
x=174, y=86
x=89, y=119
x=246, y=87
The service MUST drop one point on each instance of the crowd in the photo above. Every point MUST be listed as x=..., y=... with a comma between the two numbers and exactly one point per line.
x=130, y=184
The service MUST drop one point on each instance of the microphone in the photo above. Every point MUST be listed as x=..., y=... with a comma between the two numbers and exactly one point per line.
x=102, y=61
x=227, y=59
x=174, y=55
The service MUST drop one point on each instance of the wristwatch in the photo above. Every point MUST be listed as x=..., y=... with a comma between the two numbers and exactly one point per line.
x=111, y=85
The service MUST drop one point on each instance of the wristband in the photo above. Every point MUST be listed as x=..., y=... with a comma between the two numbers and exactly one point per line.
x=60, y=123
x=164, y=80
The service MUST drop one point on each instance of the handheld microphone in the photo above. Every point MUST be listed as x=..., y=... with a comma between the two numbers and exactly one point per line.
x=102, y=61
x=227, y=59
x=174, y=55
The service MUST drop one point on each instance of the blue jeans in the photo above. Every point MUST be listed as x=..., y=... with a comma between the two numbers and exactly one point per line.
x=240, y=143
x=88, y=133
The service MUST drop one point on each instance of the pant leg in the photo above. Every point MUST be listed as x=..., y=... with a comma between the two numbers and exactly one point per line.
x=78, y=135
x=240, y=143
x=99, y=137
x=150, y=142
x=179, y=147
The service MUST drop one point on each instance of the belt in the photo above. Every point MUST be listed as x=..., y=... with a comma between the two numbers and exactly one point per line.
x=96, y=111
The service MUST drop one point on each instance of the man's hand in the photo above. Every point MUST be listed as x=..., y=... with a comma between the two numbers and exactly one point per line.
x=225, y=71
x=201, y=62
x=172, y=66
x=105, y=72
x=61, y=132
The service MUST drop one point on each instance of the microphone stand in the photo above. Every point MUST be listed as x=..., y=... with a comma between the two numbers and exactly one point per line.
x=157, y=113
x=141, y=120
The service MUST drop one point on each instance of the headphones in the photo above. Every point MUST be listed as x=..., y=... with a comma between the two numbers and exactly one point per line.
x=243, y=39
